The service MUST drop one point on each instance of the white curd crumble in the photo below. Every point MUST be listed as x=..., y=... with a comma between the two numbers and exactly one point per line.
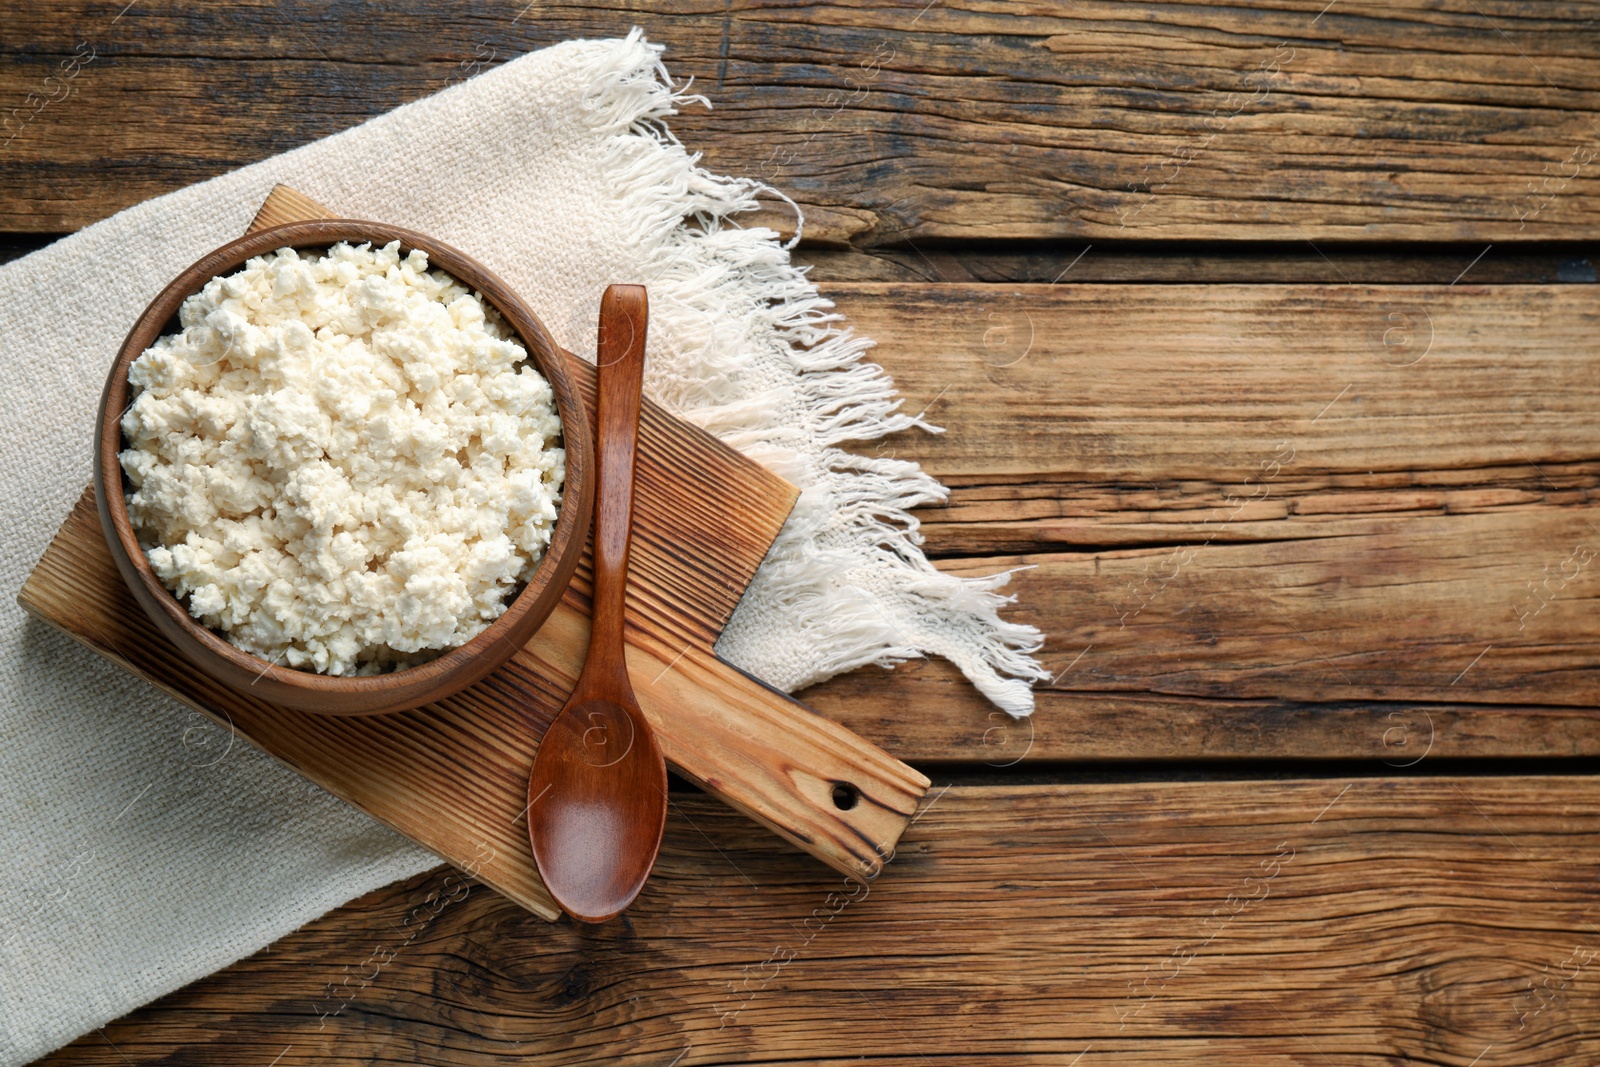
x=343, y=462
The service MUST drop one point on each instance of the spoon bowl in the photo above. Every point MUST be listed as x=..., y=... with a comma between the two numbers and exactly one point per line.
x=596, y=825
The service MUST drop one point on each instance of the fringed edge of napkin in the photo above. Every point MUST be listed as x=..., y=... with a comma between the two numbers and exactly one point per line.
x=849, y=563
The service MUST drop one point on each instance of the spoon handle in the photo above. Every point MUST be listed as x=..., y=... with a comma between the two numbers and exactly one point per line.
x=624, y=314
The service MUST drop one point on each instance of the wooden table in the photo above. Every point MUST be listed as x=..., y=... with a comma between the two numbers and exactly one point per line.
x=1265, y=338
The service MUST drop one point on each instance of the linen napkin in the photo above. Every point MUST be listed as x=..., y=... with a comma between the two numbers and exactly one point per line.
x=145, y=848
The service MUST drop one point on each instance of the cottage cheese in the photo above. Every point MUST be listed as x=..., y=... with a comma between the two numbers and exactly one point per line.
x=344, y=462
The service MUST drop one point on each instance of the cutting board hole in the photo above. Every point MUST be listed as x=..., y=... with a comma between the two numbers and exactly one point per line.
x=845, y=796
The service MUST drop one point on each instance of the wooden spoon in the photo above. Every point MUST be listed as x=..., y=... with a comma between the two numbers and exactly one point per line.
x=597, y=798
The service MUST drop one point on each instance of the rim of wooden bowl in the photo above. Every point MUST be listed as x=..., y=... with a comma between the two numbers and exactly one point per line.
x=452, y=670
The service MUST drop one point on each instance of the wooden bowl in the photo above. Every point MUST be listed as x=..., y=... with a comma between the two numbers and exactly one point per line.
x=456, y=668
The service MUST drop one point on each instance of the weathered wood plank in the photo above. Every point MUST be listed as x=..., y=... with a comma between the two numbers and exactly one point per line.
x=1356, y=923
x=1123, y=414
x=1452, y=637
x=1228, y=601
x=953, y=724
x=1498, y=609
x=1194, y=384
x=1437, y=121
x=1027, y=516
x=1412, y=468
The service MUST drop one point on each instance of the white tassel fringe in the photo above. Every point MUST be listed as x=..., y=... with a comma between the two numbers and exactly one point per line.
x=743, y=345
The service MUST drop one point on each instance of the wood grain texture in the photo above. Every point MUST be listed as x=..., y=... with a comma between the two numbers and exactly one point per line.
x=1291, y=492
x=597, y=794
x=1462, y=120
x=1427, y=610
x=1274, y=521
x=1349, y=923
x=955, y=726
x=1193, y=385
x=285, y=205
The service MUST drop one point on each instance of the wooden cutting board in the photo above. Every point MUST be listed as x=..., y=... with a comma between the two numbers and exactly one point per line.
x=453, y=776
